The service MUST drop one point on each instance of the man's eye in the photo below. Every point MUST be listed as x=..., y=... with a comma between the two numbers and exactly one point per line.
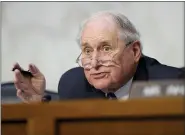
x=87, y=51
x=107, y=48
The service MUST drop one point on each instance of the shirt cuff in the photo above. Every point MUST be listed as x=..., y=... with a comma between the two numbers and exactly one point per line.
x=46, y=98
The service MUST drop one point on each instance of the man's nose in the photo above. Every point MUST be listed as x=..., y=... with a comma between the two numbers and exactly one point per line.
x=94, y=61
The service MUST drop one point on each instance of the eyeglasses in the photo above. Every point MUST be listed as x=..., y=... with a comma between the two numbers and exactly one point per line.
x=106, y=60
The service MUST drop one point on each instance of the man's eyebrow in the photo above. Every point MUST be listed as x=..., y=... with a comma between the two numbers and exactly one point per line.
x=108, y=42
x=85, y=44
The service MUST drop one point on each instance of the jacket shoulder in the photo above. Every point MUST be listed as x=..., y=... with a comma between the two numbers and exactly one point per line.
x=156, y=70
x=71, y=83
x=73, y=73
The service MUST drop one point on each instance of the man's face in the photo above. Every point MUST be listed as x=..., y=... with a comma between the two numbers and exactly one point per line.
x=100, y=40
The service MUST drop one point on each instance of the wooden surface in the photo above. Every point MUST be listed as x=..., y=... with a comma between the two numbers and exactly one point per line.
x=11, y=128
x=161, y=116
x=121, y=127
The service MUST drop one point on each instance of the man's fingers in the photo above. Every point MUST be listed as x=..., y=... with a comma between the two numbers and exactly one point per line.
x=17, y=66
x=34, y=70
x=21, y=86
x=26, y=97
x=25, y=88
x=22, y=96
x=18, y=77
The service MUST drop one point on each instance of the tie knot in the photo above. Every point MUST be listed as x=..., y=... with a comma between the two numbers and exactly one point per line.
x=111, y=95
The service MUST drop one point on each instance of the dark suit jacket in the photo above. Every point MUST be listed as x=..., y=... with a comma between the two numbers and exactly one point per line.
x=73, y=84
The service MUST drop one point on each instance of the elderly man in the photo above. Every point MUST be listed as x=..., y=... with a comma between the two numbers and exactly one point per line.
x=111, y=60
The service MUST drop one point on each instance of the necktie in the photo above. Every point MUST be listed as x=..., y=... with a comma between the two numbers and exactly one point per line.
x=111, y=95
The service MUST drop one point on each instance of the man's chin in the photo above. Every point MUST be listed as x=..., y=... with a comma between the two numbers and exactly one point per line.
x=101, y=85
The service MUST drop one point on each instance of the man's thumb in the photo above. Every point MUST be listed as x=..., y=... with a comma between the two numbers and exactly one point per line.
x=33, y=69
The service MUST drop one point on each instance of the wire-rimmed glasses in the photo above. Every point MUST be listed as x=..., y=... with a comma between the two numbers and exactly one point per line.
x=105, y=60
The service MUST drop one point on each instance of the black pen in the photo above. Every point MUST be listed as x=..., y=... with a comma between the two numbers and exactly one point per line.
x=23, y=72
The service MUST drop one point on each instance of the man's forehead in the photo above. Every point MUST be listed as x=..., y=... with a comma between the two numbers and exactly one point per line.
x=99, y=30
x=100, y=23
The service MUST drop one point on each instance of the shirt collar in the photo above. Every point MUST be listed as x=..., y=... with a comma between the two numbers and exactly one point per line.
x=123, y=92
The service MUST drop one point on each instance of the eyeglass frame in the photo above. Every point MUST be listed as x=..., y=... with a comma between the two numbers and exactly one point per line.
x=78, y=58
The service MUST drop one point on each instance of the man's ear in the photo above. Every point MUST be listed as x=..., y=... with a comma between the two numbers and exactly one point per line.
x=136, y=48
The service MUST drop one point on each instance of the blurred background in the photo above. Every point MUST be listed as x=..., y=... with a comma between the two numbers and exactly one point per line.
x=44, y=33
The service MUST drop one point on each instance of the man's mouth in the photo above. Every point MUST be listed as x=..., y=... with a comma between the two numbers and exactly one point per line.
x=99, y=75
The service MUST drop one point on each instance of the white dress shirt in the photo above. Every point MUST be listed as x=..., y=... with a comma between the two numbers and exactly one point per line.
x=123, y=92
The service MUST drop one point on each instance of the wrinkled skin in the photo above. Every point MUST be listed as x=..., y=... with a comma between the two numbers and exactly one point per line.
x=103, y=33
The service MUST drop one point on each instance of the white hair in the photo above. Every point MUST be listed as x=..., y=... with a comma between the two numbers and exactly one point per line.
x=128, y=32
